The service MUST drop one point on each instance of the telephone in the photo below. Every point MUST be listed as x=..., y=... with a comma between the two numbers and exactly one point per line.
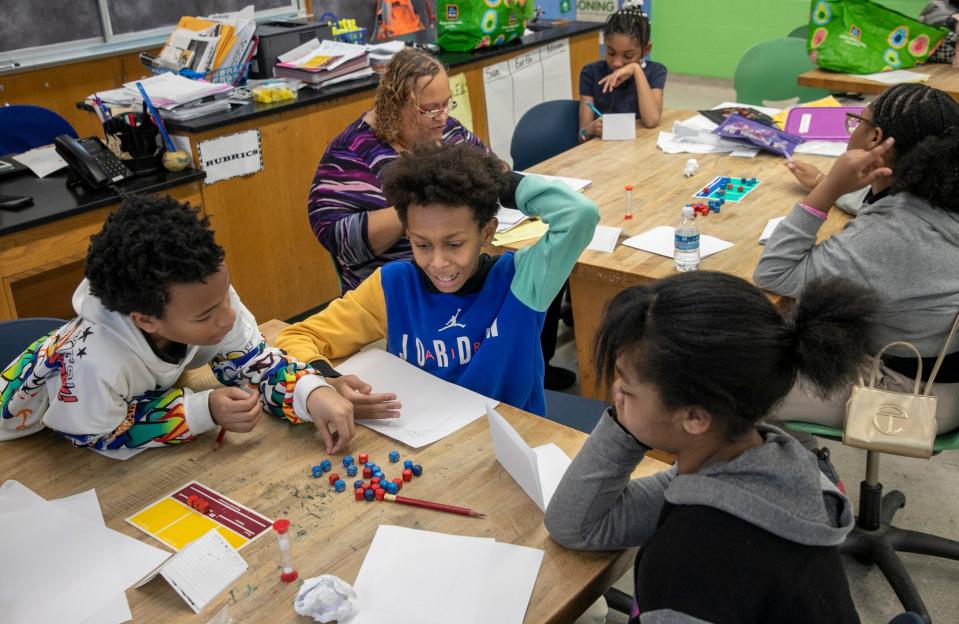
x=91, y=161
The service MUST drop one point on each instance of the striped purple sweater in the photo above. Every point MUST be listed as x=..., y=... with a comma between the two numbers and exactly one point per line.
x=347, y=186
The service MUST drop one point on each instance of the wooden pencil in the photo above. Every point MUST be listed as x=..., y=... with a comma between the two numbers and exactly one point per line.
x=415, y=502
x=219, y=438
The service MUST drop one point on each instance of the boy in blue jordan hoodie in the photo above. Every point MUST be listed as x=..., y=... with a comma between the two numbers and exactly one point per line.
x=462, y=315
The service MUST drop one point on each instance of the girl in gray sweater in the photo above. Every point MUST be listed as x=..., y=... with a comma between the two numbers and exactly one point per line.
x=904, y=242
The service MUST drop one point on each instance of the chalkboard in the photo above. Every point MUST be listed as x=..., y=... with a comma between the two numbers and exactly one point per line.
x=29, y=23
x=128, y=16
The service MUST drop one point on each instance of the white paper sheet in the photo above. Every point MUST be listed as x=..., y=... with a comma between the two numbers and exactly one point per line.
x=897, y=76
x=432, y=408
x=619, y=126
x=537, y=471
x=203, y=569
x=605, y=238
x=55, y=564
x=821, y=148
x=508, y=218
x=422, y=577
x=660, y=240
x=42, y=161
x=557, y=81
x=498, y=91
x=576, y=184
x=745, y=152
x=768, y=230
x=230, y=156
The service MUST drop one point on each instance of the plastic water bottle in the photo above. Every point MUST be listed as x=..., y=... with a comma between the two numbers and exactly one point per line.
x=686, y=248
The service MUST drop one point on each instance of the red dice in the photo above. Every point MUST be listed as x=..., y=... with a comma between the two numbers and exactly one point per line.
x=367, y=472
x=364, y=458
x=333, y=478
x=407, y=475
x=358, y=493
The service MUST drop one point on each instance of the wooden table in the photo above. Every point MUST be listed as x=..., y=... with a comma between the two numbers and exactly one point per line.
x=269, y=471
x=660, y=191
x=941, y=76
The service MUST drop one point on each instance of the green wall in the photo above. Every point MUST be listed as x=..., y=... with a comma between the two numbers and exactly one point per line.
x=708, y=37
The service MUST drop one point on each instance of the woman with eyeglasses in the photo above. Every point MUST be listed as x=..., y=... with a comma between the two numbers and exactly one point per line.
x=903, y=243
x=348, y=211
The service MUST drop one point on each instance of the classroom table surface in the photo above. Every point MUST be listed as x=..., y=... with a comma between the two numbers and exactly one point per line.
x=941, y=76
x=660, y=190
x=268, y=471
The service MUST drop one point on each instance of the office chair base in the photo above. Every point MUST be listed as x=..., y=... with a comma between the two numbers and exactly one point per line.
x=878, y=542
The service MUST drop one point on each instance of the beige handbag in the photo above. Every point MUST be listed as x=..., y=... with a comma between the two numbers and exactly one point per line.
x=894, y=422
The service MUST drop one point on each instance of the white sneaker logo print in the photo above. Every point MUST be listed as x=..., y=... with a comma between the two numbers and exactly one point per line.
x=453, y=322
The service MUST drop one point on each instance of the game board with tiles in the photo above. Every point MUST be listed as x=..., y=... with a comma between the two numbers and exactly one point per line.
x=730, y=189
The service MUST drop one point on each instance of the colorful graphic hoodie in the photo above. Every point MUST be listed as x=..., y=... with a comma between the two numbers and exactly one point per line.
x=486, y=336
x=99, y=383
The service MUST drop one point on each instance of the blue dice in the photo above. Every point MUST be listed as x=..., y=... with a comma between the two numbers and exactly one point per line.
x=351, y=470
x=392, y=488
x=394, y=456
x=326, y=465
x=378, y=473
x=317, y=471
x=369, y=494
x=348, y=460
x=339, y=485
x=358, y=484
x=417, y=470
x=408, y=463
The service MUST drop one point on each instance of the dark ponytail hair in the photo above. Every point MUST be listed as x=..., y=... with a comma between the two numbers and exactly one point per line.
x=630, y=21
x=715, y=340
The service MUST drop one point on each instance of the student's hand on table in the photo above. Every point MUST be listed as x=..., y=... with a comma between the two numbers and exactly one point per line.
x=326, y=408
x=618, y=77
x=853, y=170
x=365, y=403
x=806, y=174
x=235, y=409
x=595, y=128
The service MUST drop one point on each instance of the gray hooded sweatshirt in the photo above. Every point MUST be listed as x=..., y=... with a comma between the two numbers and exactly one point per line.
x=760, y=529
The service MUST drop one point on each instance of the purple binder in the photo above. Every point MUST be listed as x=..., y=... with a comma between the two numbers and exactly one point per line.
x=827, y=123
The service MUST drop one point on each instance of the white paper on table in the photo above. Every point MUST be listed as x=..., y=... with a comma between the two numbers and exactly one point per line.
x=203, y=569
x=133, y=558
x=767, y=110
x=745, y=152
x=421, y=577
x=671, y=144
x=897, y=76
x=821, y=148
x=498, y=91
x=42, y=161
x=619, y=126
x=432, y=408
x=769, y=229
x=661, y=240
x=508, y=218
x=537, y=470
x=605, y=238
x=575, y=184
x=55, y=565
x=557, y=79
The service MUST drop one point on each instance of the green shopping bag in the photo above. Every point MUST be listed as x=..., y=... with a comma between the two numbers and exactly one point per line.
x=863, y=37
x=463, y=25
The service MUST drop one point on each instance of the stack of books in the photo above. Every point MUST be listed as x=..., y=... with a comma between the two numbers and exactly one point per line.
x=322, y=63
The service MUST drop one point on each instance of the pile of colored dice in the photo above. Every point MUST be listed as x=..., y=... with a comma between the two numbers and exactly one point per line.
x=379, y=484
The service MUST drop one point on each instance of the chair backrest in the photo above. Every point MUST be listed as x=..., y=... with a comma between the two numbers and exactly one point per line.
x=800, y=32
x=16, y=335
x=547, y=129
x=574, y=411
x=768, y=71
x=907, y=618
x=26, y=127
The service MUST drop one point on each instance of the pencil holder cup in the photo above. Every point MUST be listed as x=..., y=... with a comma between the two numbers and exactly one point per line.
x=135, y=139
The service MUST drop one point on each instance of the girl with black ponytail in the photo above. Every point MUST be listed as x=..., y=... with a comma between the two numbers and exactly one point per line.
x=743, y=528
x=623, y=82
x=903, y=243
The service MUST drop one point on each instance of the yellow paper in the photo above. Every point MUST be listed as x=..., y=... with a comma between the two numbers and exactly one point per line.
x=780, y=118
x=224, y=44
x=523, y=231
x=461, y=95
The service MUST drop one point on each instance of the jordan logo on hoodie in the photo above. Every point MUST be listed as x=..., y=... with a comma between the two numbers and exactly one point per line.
x=445, y=352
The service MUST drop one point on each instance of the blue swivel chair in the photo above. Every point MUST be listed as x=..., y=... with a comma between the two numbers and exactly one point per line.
x=24, y=127
x=16, y=335
x=547, y=129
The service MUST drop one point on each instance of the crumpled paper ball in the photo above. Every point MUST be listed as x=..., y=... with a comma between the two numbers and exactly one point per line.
x=326, y=598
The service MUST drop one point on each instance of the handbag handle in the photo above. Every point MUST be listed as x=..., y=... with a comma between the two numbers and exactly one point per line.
x=875, y=364
x=942, y=356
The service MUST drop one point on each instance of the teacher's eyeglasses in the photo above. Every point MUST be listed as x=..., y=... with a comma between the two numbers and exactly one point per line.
x=853, y=120
x=433, y=113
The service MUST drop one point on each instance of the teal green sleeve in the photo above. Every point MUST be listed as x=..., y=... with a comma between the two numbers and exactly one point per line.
x=542, y=269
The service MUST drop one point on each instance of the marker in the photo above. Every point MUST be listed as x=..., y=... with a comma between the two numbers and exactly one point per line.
x=594, y=109
x=219, y=438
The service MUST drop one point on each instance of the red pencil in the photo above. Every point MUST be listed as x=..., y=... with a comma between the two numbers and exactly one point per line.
x=415, y=502
x=219, y=438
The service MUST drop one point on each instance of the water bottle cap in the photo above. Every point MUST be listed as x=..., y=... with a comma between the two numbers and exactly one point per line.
x=687, y=211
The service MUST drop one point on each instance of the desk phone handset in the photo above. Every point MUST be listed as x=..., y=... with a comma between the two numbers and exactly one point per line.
x=91, y=161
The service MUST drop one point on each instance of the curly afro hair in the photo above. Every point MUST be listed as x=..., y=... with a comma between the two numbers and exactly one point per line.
x=146, y=245
x=453, y=175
